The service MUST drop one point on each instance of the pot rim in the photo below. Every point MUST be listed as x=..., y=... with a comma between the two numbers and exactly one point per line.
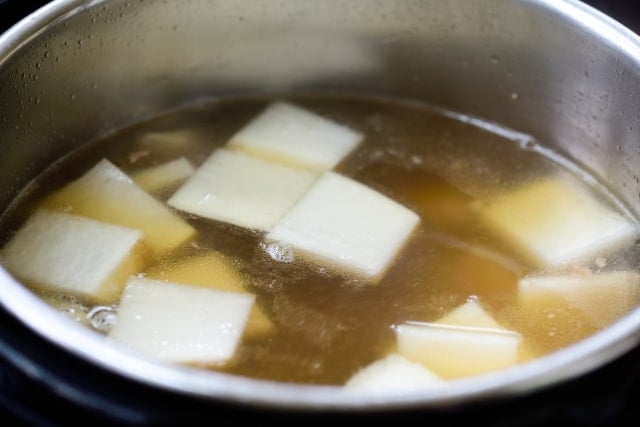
x=571, y=362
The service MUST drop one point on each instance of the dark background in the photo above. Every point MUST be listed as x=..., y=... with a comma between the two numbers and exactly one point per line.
x=608, y=397
x=626, y=12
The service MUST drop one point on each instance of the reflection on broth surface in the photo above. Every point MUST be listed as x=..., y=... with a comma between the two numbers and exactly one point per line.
x=412, y=242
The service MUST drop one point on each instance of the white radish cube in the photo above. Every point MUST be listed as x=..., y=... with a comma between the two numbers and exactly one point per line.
x=215, y=271
x=469, y=314
x=105, y=193
x=601, y=297
x=75, y=254
x=345, y=223
x=458, y=351
x=180, y=323
x=552, y=222
x=286, y=132
x=156, y=178
x=393, y=374
x=243, y=190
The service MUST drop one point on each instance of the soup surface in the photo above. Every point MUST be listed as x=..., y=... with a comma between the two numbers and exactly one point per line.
x=460, y=269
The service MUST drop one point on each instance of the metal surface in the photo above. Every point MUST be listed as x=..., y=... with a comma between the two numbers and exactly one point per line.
x=557, y=70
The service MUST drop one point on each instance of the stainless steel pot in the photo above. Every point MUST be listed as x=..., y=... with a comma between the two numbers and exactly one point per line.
x=555, y=69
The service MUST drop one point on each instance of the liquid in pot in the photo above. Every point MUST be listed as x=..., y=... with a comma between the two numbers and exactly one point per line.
x=319, y=324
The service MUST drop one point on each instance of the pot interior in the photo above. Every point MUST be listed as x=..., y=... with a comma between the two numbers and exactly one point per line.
x=557, y=73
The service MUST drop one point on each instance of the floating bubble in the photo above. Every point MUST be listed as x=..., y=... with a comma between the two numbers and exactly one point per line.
x=71, y=308
x=528, y=144
x=281, y=252
x=102, y=318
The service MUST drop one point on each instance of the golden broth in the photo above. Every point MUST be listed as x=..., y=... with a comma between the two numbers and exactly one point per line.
x=328, y=325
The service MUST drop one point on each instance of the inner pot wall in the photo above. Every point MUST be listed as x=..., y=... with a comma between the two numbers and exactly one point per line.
x=556, y=70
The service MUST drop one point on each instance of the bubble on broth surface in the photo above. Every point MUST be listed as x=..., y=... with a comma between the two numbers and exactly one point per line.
x=102, y=318
x=69, y=306
x=281, y=252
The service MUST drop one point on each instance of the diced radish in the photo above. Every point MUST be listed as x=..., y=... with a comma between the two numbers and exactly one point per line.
x=553, y=222
x=345, y=223
x=286, y=132
x=601, y=297
x=393, y=374
x=59, y=251
x=156, y=178
x=181, y=323
x=243, y=190
x=458, y=351
x=215, y=271
x=107, y=194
